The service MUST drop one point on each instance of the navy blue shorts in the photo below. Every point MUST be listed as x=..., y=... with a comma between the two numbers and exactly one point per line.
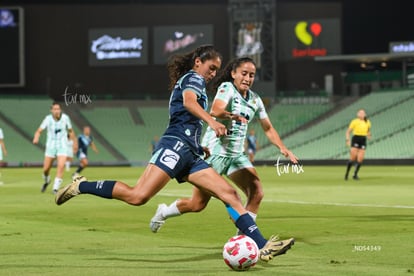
x=176, y=158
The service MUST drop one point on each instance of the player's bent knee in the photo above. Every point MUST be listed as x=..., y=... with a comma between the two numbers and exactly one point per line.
x=137, y=200
x=259, y=195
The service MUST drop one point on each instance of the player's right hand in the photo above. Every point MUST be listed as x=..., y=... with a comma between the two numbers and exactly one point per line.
x=218, y=128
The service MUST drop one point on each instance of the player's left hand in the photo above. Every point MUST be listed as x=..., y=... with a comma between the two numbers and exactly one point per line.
x=206, y=153
x=239, y=118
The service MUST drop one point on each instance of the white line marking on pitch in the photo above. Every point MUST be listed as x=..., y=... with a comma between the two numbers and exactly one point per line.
x=344, y=204
x=316, y=203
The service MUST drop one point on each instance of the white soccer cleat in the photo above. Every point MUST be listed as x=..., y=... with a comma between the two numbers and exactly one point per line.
x=157, y=220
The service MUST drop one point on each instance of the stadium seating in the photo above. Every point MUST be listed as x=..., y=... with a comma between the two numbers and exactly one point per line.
x=326, y=139
x=24, y=116
x=20, y=150
x=132, y=139
x=289, y=117
x=312, y=131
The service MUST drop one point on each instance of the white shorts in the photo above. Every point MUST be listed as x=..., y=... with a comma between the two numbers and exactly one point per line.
x=52, y=151
x=82, y=155
x=228, y=165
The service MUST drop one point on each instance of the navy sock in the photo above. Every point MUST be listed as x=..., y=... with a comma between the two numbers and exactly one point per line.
x=348, y=166
x=357, y=166
x=80, y=168
x=247, y=225
x=102, y=188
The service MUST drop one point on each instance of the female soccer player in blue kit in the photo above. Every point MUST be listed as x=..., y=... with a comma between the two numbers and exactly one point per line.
x=178, y=153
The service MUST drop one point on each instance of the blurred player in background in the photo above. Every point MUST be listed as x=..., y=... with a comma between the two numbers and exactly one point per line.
x=361, y=130
x=153, y=144
x=234, y=105
x=252, y=145
x=3, y=151
x=84, y=141
x=69, y=158
x=58, y=126
x=178, y=153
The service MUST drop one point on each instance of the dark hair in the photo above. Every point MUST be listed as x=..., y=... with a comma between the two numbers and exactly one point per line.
x=225, y=74
x=178, y=64
x=55, y=103
x=365, y=117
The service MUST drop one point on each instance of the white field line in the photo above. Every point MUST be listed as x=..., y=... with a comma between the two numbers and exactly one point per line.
x=177, y=195
x=343, y=204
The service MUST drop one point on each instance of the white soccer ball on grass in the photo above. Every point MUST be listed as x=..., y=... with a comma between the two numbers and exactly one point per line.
x=240, y=252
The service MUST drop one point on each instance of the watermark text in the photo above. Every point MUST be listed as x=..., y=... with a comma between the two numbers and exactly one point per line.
x=366, y=248
x=282, y=168
x=75, y=98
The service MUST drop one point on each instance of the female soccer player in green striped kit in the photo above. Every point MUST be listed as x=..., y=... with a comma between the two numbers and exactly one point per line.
x=235, y=105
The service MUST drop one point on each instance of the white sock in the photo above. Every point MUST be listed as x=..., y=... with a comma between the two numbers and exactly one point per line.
x=67, y=165
x=171, y=210
x=253, y=215
x=56, y=183
x=46, y=178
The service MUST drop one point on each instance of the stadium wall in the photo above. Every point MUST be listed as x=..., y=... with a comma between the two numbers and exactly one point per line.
x=56, y=46
x=56, y=42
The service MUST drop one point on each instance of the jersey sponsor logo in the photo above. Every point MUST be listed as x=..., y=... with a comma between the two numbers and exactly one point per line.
x=169, y=158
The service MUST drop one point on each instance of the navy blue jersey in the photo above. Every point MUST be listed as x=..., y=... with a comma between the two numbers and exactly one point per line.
x=182, y=123
x=83, y=143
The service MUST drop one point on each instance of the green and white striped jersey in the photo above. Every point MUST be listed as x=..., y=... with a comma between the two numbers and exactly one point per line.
x=57, y=130
x=250, y=107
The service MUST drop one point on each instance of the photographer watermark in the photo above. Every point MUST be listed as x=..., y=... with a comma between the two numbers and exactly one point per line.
x=75, y=98
x=366, y=248
x=282, y=168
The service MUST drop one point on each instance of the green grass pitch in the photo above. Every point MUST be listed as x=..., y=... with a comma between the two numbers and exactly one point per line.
x=341, y=227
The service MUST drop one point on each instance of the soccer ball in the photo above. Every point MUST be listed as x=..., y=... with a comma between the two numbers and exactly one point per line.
x=240, y=252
